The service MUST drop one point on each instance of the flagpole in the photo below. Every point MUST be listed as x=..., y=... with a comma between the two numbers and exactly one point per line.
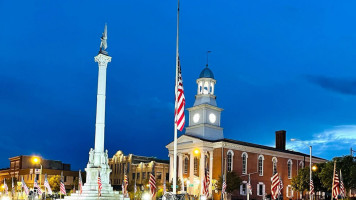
x=332, y=187
x=175, y=106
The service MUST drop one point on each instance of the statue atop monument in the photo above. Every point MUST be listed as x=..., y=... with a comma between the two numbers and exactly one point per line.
x=104, y=44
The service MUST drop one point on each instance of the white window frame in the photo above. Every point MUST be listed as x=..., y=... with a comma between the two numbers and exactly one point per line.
x=244, y=170
x=289, y=187
x=274, y=160
x=290, y=169
x=185, y=163
x=301, y=164
x=232, y=160
x=258, y=164
x=241, y=188
x=263, y=189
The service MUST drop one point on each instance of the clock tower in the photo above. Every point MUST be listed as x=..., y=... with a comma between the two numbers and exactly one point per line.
x=204, y=116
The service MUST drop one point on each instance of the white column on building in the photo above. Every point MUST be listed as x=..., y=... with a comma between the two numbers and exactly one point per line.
x=180, y=170
x=202, y=170
x=170, y=167
x=211, y=171
x=191, y=169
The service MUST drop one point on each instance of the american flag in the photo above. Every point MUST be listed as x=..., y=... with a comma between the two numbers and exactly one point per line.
x=35, y=185
x=249, y=188
x=179, y=117
x=206, y=183
x=164, y=187
x=224, y=186
x=336, y=184
x=24, y=186
x=152, y=182
x=311, y=187
x=5, y=187
x=342, y=187
x=100, y=185
x=280, y=186
x=275, y=185
x=46, y=184
x=62, y=186
x=80, y=183
x=126, y=183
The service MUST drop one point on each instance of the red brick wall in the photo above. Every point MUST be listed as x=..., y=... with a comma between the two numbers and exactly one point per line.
x=252, y=162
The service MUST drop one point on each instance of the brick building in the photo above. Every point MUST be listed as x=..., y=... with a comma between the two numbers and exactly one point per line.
x=203, y=146
x=24, y=166
x=137, y=167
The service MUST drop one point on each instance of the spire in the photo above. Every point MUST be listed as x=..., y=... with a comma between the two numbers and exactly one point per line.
x=207, y=58
x=104, y=44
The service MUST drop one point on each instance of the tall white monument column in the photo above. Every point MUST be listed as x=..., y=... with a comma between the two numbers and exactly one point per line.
x=98, y=158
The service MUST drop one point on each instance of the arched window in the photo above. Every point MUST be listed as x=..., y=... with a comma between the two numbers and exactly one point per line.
x=289, y=163
x=186, y=165
x=244, y=162
x=206, y=88
x=274, y=161
x=301, y=164
x=260, y=165
x=230, y=158
x=196, y=166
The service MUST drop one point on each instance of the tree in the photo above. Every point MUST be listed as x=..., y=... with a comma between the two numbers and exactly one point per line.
x=301, y=181
x=54, y=182
x=170, y=185
x=233, y=182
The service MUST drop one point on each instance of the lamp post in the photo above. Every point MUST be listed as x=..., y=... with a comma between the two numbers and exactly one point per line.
x=37, y=160
x=310, y=165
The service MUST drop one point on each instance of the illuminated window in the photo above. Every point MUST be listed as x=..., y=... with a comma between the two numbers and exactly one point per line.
x=289, y=191
x=196, y=166
x=186, y=165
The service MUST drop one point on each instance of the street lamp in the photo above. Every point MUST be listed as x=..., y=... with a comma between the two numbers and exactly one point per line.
x=37, y=160
x=310, y=164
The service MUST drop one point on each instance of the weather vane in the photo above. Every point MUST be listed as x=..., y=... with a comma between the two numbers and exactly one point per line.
x=104, y=44
x=207, y=58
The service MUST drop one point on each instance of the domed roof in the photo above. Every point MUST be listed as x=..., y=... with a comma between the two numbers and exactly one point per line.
x=206, y=73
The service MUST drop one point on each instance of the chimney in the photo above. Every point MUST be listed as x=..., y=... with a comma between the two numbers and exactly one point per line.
x=281, y=140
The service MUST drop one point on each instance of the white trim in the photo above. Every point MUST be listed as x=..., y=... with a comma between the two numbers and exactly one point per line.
x=242, y=156
x=263, y=188
x=232, y=160
x=289, y=187
x=291, y=169
x=258, y=167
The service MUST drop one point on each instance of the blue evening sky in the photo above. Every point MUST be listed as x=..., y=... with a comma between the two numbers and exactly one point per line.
x=279, y=65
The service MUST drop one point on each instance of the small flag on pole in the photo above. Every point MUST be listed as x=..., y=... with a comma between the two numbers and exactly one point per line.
x=35, y=185
x=224, y=186
x=126, y=183
x=62, y=186
x=336, y=184
x=12, y=186
x=342, y=187
x=164, y=187
x=24, y=186
x=311, y=187
x=180, y=100
x=275, y=186
x=152, y=183
x=206, y=183
x=5, y=188
x=46, y=184
x=80, y=183
x=250, y=188
x=100, y=185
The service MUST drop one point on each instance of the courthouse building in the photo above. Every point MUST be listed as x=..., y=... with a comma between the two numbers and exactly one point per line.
x=203, y=146
x=137, y=168
x=29, y=168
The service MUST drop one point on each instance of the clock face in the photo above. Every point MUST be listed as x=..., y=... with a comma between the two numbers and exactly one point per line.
x=196, y=117
x=212, y=118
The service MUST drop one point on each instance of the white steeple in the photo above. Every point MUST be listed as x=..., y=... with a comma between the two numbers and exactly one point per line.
x=204, y=116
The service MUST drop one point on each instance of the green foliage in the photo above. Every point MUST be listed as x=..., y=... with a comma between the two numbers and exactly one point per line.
x=170, y=188
x=54, y=182
x=301, y=181
x=233, y=182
